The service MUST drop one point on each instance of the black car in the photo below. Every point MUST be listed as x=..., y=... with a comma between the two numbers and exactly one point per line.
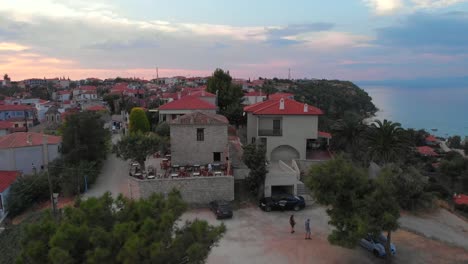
x=282, y=202
x=222, y=209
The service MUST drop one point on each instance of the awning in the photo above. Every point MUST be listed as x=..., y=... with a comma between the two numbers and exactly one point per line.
x=324, y=135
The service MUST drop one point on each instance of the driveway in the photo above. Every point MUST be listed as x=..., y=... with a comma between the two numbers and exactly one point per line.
x=113, y=177
x=254, y=236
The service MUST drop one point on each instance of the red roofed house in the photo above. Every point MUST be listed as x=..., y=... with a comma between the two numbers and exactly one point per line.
x=185, y=105
x=23, y=151
x=278, y=96
x=285, y=126
x=204, y=95
x=254, y=97
x=20, y=115
x=431, y=140
x=6, y=127
x=427, y=151
x=63, y=95
x=7, y=178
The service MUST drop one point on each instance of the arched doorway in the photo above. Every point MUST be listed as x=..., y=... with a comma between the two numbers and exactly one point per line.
x=284, y=153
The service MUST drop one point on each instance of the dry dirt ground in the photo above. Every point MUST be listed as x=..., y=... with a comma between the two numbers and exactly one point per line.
x=254, y=236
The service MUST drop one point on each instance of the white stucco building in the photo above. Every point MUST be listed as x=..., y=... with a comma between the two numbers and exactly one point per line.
x=24, y=151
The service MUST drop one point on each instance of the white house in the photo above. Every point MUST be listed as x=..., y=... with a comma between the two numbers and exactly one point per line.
x=254, y=97
x=284, y=126
x=26, y=151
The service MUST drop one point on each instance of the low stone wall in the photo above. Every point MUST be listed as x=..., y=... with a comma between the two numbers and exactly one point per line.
x=199, y=190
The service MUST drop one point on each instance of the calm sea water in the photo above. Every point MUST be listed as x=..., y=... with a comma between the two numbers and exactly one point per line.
x=444, y=109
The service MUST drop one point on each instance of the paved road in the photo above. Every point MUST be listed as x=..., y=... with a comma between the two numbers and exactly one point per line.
x=254, y=236
x=113, y=177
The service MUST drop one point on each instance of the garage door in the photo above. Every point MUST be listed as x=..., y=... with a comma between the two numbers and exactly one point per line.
x=284, y=153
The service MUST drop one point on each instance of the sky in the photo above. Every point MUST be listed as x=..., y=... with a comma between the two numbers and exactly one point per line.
x=359, y=40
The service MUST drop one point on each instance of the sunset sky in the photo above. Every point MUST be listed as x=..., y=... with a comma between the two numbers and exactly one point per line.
x=343, y=39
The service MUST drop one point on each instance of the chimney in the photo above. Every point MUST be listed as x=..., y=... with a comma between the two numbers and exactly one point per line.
x=179, y=95
x=281, y=104
x=306, y=108
x=203, y=93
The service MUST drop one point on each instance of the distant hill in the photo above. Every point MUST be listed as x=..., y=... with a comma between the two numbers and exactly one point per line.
x=452, y=82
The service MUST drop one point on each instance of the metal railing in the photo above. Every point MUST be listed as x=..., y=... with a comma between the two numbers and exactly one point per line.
x=270, y=132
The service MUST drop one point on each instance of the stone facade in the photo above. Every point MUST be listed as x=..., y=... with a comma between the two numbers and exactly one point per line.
x=186, y=149
x=197, y=190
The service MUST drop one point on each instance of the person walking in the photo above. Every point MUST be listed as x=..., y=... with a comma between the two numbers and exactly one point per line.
x=307, y=229
x=292, y=222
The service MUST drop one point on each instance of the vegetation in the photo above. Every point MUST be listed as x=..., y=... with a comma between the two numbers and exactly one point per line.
x=163, y=130
x=335, y=98
x=358, y=205
x=230, y=96
x=26, y=191
x=85, y=138
x=455, y=142
x=107, y=230
x=111, y=100
x=387, y=142
x=137, y=146
x=465, y=148
x=138, y=121
x=454, y=169
x=254, y=158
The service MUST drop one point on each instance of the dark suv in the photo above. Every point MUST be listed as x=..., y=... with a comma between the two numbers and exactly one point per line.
x=222, y=209
x=282, y=202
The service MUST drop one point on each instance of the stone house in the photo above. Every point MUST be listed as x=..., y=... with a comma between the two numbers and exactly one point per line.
x=53, y=117
x=199, y=138
x=182, y=106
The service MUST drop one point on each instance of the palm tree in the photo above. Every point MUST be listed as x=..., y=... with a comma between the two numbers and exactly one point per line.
x=348, y=134
x=386, y=142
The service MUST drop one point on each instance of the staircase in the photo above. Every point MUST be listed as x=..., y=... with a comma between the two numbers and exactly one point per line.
x=303, y=191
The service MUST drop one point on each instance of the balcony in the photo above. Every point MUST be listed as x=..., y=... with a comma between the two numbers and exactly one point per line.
x=270, y=132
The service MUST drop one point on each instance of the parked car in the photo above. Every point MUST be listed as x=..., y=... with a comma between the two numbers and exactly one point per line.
x=222, y=209
x=376, y=245
x=135, y=171
x=282, y=202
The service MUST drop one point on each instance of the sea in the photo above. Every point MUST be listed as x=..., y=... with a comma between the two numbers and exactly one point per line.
x=441, y=111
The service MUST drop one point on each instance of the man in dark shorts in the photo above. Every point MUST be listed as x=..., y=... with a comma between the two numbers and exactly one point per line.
x=292, y=222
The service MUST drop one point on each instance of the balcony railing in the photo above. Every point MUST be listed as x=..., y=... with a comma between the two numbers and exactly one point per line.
x=270, y=132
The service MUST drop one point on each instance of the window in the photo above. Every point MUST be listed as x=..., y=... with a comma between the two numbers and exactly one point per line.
x=253, y=140
x=216, y=156
x=16, y=125
x=200, y=134
x=276, y=124
x=174, y=116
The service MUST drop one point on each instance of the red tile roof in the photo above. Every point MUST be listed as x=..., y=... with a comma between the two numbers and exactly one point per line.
x=431, y=138
x=63, y=92
x=188, y=103
x=291, y=107
x=15, y=107
x=427, y=151
x=7, y=178
x=25, y=139
x=324, y=134
x=201, y=118
x=87, y=88
x=461, y=199
x=278, y=96
x=6, y=124
x=202, y=94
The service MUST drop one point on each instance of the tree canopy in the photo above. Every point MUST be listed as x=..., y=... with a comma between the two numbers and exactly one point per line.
x=387, y=142
x=84, y=137
x=107, y=230
x=254, y=158
x=229, y=96
x=138, y=121
x=334, y=98
x=137, y=146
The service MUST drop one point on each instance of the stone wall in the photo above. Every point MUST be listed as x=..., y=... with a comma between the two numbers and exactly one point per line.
x=199, y=190
x=185, y=149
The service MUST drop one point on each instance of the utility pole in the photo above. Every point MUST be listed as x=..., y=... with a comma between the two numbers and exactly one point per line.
x=289, y=74
x=53, y=198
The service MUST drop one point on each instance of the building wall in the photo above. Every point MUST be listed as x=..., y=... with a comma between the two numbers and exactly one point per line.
x=3, y=132
x=249, y=100
x=201, y=190
x=185, y=149
x=251, y=127
x=4, y=196
x=22, y=159
x=296, y=130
